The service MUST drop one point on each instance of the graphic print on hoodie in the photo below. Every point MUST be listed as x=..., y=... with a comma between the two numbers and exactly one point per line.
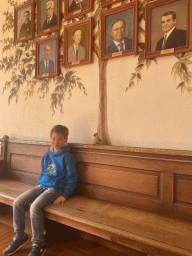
x=51, y=169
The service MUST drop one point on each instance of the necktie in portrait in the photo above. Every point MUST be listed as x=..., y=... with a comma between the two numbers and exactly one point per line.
x=164, y=42
x=121, y=47
x=76, y=53
x=47, y=67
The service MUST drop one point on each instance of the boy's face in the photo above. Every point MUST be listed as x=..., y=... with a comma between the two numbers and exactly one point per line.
x=57, y=141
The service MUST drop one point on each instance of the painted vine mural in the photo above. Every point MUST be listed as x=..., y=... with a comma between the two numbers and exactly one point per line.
x=18, y=61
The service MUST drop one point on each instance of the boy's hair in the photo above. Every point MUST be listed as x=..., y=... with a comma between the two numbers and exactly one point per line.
x=60, y=129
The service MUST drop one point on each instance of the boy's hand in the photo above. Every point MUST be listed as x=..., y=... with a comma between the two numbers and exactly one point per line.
x=59, y=200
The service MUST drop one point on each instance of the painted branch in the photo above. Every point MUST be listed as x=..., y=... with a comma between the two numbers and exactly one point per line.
x=102, y=115
x=102, y=105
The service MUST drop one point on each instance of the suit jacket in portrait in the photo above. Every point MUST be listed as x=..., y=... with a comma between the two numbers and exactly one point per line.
x=42, y=68
x=113, y=48
x=25, y=29
x=72, y=53
x=51, y=24
x=176, y=39
x=73, y=7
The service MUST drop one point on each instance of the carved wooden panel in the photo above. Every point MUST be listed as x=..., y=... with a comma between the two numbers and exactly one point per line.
x=152, y=179
x=124, y=179
x=29, y=164
x=183, y=189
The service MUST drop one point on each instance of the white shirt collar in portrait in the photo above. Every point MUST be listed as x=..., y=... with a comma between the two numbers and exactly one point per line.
x=46, y=62
x=75, y=47
x=170, y=31
x=49, y=20
x=117, y=44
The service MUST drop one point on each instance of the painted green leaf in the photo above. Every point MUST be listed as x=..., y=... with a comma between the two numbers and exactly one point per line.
x=185, y=61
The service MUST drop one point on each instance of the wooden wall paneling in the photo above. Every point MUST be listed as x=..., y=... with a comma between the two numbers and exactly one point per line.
x=26, y=163
x=143, y=163
x=167, y=192
x=128, y=180
x=132, y=200
x=3, y=156
x=145, y=152
x=183, y=195
x=183, y=189
x=30, y=149
x=2, y=145
x=2, y=162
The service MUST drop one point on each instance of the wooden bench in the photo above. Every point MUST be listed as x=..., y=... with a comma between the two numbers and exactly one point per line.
x=135, y=197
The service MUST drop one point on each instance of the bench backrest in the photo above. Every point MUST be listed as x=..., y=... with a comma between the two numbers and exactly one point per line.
x=150, y=179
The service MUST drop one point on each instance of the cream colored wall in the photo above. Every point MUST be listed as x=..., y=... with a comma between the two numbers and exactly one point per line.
x=152, y=114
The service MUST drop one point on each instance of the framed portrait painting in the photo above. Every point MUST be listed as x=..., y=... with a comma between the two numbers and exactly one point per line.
x=168, y=28
x=78, y=43
x=24, y=22
x=105, y=3
x=119, y=31
x=48, y=16
x=75, y=8
x=47, y=51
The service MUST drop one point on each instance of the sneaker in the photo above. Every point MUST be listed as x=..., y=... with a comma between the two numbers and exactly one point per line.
x=37, y=250
x=15, y=245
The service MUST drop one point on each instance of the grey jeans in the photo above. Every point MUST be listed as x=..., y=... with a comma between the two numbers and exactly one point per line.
x=41, y=196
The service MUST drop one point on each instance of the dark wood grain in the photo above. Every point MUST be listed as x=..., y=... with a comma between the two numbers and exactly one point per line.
x=134, y=197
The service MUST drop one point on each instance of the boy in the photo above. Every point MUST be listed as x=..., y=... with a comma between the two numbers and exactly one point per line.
x=56, y=182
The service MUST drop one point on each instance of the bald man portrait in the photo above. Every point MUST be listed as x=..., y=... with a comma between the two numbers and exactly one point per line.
x=46, y=65
x=76, y=51
x=120, y=42
x=173, y=37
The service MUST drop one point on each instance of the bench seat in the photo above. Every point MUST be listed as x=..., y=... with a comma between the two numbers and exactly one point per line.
x=138, y=229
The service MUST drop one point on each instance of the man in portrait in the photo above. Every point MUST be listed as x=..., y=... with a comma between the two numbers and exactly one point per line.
x=77, y=5
x=173, y=37
x=46, y=65
x=120, y=42
x=51, y=17
x=76, y=51
x=26, y=26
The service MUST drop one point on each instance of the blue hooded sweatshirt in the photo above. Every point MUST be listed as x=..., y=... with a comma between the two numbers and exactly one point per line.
x=59, y=171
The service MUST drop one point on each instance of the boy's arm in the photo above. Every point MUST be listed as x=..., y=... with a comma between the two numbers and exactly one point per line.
x=42, y=170
x=71, y=177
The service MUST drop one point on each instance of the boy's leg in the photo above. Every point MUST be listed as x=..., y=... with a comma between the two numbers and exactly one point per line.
x=19, y=209
x=19, y=219
x=36, y=213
